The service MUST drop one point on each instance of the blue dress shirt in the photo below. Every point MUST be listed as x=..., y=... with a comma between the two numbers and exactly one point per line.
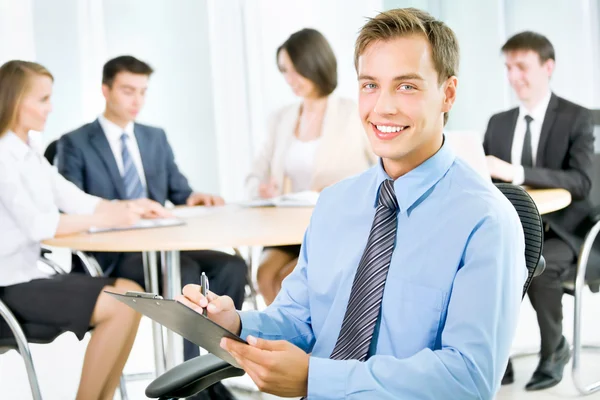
x=452, y=295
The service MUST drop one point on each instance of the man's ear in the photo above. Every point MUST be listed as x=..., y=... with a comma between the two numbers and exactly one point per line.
x=549, y=67
x=105, y=90
x=449, y=93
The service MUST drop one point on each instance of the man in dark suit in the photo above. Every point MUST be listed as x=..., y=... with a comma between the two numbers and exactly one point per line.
x=547, y=142
x=114, y=157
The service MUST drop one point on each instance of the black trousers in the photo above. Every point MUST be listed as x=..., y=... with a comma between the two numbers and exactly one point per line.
x=226, y=275
x=546, y=291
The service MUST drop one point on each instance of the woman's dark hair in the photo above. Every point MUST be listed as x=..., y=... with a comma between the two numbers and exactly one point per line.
x=313, y=58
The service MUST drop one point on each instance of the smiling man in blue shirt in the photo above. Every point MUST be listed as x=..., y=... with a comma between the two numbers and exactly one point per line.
x=410, y=276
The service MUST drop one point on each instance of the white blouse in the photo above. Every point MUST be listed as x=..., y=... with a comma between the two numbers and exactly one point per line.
x=300, y=163
x=31, y=194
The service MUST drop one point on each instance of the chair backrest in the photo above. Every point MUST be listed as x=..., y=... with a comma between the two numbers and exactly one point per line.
x=50, y=152
x=595, y=192
x=533, y=229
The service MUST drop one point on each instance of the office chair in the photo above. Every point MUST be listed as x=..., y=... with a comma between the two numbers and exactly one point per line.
x=37, y=333
x=50, y=152
x=587, y=271
x=201, y=372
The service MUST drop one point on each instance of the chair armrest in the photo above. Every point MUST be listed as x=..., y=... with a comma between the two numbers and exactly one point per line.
x=540, y=267
x=191, y=377
x=57, y=268
x=89, y=263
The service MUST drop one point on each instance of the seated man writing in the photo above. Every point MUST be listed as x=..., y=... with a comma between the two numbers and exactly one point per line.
x=410, y=275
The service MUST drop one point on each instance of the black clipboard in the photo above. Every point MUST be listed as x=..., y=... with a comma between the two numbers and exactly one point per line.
x=182, y=320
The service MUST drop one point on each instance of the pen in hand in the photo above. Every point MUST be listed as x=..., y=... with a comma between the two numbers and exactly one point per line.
x=204, y=290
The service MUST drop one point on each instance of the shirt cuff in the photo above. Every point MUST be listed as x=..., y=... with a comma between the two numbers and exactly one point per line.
x=249, y=321
x=519, y=177
x=327, y=378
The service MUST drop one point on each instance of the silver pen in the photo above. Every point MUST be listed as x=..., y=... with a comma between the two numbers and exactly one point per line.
x=204, y=290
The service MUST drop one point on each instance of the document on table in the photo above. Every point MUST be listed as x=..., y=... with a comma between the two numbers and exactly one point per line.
x=143, y=224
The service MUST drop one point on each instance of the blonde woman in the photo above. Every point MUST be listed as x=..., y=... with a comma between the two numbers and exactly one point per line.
x=311, y=144
x=31, y=195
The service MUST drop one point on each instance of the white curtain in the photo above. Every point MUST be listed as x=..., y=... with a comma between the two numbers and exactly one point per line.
x=16, y=30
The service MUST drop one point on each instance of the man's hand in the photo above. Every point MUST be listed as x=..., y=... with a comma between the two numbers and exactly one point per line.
x=276, y=366
x=151, y=209
x=500, y=169
x=220, y=309
x=203, y=199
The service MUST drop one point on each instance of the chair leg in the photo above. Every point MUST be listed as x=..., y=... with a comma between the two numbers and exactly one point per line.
x=578, y=348
x=123, y=388
x=249, y=278
x=582, y=263
x=23, y=348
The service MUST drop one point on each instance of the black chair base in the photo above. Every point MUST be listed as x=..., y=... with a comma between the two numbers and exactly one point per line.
x=191, y=377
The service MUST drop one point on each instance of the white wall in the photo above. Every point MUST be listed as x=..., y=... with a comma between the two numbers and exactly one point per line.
x=338, y=20
x=174, y=41
x=16, y=23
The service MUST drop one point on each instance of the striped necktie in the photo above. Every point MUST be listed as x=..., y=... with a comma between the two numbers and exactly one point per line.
x=131, y=180
x=364, y=305
x=366, y=295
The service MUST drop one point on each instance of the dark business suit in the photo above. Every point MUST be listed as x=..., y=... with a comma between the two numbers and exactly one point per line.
x=86, y=159
x=563, y=160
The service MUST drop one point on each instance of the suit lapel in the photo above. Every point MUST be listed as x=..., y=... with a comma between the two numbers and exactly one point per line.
x=546, y=129
x=145, y=147
x=100, y=143
x=505, y=145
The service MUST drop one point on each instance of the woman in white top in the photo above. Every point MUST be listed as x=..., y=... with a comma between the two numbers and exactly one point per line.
x=31, y=195
x=310, y=145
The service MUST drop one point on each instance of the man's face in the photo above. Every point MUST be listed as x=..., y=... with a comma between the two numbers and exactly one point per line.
x=528, y=76
x=401, y=102
x=126, y=96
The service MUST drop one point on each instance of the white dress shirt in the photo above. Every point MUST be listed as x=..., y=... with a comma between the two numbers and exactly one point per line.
x=535, y=126
x=31, y=194
x=300, y=163
x=113, y=134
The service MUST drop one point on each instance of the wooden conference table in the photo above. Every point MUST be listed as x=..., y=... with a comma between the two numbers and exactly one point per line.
x=209, y=228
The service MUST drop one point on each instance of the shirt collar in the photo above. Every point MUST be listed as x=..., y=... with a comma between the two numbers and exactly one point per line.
x=112, y=131
x=539, y=112
x=411, y=186
x=16, y=146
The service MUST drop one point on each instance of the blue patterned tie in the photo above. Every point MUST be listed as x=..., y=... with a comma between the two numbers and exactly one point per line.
x=133, y=185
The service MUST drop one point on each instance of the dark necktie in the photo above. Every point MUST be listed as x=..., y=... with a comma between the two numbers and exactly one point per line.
x=131, y=180
x=527, y=155
x=366, y=295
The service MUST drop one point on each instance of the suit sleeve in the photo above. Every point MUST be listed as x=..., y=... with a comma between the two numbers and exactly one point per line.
x=576, y=177
x=70, y=161
x=487, y=137
x=178, y=186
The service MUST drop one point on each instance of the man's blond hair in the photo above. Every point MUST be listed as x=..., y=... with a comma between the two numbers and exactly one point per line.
x=402, y=22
